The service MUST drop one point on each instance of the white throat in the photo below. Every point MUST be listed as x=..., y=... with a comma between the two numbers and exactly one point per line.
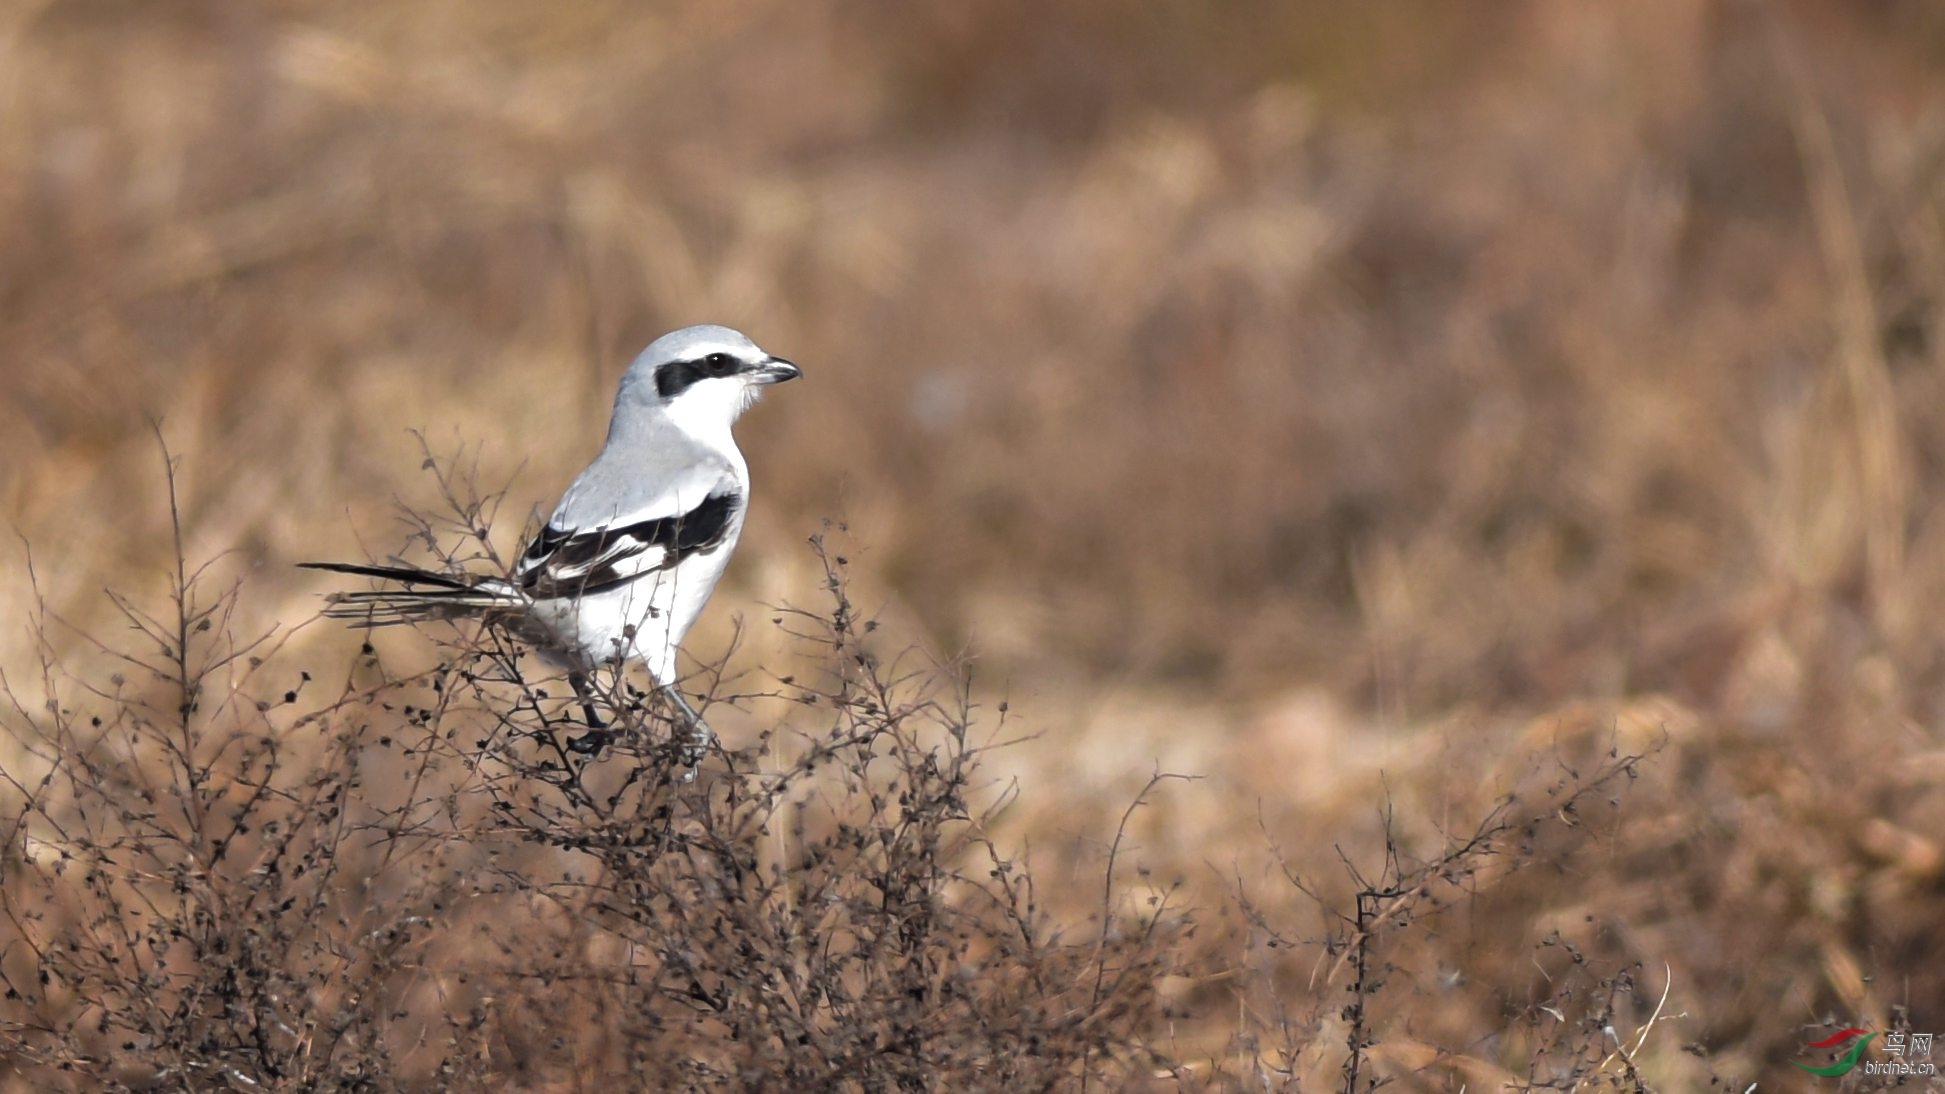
x=706, y=410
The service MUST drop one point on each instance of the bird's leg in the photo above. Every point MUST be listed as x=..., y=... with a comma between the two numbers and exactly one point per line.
x=579, y=682
x=700, y=735
x=598, y=733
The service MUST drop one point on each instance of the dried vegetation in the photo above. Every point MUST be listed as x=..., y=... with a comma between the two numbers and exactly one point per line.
x=1493, y=454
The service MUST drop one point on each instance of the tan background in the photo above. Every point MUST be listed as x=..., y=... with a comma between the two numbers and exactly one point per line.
x=1282, y=395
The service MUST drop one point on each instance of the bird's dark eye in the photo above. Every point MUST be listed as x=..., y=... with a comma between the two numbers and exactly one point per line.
x=719, y=364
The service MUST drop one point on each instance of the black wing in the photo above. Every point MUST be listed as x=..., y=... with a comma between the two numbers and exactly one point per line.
x=570, y=562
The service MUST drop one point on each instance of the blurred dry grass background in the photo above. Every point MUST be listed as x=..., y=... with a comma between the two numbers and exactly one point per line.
x=1330, y=400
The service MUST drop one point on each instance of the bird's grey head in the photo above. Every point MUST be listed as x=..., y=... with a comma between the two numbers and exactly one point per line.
x=707, y=373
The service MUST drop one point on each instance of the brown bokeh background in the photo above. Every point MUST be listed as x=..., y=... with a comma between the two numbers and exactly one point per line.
x=1324, y=399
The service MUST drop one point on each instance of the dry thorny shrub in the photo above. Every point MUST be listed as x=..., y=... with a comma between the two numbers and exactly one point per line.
x=217, y=878
x=1377, y=974
x=414, y=880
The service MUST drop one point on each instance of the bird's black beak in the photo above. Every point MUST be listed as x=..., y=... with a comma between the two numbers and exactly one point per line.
x=773, y=371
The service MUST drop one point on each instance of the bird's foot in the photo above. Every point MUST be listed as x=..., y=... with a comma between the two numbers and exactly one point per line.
x=697, y=735
x=695, y=747
x=591, y=742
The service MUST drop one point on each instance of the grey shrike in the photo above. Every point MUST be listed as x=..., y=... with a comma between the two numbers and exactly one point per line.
x=625, y=564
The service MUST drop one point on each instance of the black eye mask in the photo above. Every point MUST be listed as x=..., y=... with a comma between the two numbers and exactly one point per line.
x=676, y=377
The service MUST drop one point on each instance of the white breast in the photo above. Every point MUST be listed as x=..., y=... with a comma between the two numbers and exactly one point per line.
x=644, y=620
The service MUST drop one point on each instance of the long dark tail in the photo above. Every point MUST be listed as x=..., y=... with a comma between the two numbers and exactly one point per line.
x=449, y=597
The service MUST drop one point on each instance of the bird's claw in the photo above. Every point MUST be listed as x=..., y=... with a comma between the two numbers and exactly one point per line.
x=591, y=742
x=691, y=751
x=695, y=749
